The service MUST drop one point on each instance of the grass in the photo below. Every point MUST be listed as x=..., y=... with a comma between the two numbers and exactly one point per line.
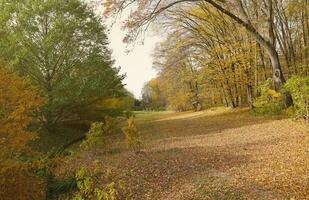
x=214, y=154
x=146, y=116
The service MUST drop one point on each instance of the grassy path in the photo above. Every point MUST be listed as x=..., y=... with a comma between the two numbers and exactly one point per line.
x=219, y=154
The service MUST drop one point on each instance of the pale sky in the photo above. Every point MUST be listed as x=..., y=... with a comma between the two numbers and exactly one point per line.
x=137, y=64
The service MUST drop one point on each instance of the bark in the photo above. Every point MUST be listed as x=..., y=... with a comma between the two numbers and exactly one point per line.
x=278, y=77
x=225, y=101
x=249, y=96
x=195, y=91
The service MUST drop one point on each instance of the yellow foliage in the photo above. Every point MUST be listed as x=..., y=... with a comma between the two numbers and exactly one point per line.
x=87, y=181
x=98, y=132
x=111, y=103
x=132, y=135
x=18, y=102
x=273, y=93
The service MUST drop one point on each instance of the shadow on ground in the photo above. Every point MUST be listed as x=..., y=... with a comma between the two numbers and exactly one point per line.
x=199, y=125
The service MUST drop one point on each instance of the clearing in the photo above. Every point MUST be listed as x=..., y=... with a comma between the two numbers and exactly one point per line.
x=214, y=154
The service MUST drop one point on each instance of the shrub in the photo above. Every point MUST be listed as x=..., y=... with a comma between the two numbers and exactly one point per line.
x=132, y=135
x=96, y=136
x=299, y=89
x=269, y=103
x=18, y=102
x=87, y=181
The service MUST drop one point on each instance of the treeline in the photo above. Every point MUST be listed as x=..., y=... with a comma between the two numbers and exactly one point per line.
x=223, y=54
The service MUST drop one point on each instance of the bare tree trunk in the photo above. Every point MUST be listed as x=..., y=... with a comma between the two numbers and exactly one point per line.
x=249, y=96
x=225, y=101
x=278, y=77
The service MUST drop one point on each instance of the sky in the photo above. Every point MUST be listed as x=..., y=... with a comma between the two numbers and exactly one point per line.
x=137, y=64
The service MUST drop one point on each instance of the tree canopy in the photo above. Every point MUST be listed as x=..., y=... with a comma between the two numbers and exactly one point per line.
x=269, y=23
x=61, y=46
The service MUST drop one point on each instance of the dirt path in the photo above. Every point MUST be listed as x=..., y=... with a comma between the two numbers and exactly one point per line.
x=230, y=155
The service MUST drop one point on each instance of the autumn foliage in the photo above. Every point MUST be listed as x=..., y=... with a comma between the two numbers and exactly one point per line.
x=18, y=102
x=132, y=135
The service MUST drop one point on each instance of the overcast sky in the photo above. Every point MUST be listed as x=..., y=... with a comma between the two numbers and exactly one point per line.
x=137, y=64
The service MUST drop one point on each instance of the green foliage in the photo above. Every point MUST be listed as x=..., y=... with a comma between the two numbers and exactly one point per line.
x=269, y=103
x=132, y=134
x=62, y=48
x=96, y=136
x=87, y=182
x=299, y=88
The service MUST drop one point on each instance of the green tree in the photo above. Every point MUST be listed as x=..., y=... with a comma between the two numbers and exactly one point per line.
x=62, y=47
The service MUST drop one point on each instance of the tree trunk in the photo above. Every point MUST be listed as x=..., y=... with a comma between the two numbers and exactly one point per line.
x=278, y=77
x=249, y=96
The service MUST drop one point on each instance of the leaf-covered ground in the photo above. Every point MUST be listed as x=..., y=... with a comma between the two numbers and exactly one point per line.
x=221, y=154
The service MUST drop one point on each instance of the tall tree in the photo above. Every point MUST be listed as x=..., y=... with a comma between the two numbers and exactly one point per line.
x=240, y=11
x=62, y=47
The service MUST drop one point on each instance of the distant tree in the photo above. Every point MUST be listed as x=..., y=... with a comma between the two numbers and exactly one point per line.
x=153, y=96
x=178, y=72
x=61, y=46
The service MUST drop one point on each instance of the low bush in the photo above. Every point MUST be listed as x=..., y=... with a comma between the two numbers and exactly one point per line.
x=299, y=89
x=132, y=135
x=88, y=181
x=97, y=135
x=269, y=103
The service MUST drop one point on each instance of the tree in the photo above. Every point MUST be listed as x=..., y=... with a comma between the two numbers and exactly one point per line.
x=61, y=46
x=152, y=95
x=240, y=11
x=178, y=71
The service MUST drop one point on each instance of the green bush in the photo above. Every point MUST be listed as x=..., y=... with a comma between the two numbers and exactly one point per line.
x=299, y=89
x=269, y=103
x=96, y=136
x=88, y=180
